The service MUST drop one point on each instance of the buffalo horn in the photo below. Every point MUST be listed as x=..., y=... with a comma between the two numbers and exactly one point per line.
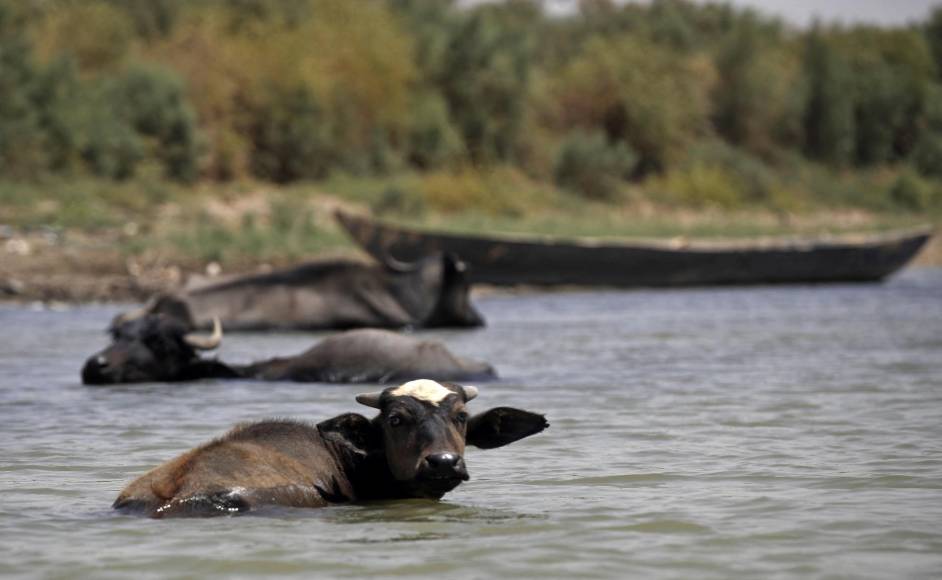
x=206, y=342
x=469, y=392
x=397, y=265
x=370, y=399
x=129, y=316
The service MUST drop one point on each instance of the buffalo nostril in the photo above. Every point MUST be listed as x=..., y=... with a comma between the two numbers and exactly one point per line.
x=95, y=371
x=440, y=461
x=446, y=465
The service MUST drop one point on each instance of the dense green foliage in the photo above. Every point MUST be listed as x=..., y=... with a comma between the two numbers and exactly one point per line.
x=590, y=165
x=704, y=104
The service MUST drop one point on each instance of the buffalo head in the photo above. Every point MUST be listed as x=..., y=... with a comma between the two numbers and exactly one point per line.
x=151, y=347
x=436, y=289
x=422, y=429
x=454, y=307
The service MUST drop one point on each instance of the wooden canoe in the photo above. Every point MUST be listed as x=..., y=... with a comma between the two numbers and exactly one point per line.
x=547, y=261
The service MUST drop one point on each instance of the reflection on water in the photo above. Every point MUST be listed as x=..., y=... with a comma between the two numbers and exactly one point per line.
x=755, y=432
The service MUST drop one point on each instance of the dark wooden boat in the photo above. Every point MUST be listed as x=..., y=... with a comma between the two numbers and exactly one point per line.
x=510, y=259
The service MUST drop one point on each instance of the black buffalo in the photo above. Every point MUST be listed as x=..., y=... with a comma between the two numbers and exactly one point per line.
x=330, y=294
x=414, y=448
x=162, y=348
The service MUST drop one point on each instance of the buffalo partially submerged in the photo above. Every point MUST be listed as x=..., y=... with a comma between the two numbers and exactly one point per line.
x=162, y=348
x=414, y=447
x=335, y=294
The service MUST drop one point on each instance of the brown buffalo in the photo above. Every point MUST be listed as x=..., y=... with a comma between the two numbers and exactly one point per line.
x=414, y=448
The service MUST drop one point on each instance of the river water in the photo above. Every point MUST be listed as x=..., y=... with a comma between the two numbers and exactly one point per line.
x=709, y=433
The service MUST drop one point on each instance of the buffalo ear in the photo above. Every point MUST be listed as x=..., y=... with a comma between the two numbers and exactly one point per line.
x=503, y=425
x=351, y=430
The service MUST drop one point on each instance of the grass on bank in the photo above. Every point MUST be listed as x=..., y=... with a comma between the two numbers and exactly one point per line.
x=243, y=224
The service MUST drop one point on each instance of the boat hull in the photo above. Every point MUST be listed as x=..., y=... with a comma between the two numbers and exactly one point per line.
x=551, y=262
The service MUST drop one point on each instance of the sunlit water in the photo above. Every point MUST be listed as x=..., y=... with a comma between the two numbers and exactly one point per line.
x=716, y=433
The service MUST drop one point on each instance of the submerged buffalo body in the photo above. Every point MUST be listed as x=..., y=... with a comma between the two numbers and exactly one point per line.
x=337, y=294
x=157, y=347
x=414, y=447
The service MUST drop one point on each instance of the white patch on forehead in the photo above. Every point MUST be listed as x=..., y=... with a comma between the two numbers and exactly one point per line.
x=423, y=390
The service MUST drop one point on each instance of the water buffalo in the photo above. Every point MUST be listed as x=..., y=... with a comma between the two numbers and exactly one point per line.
x=159, y=347
x=414, y=448
x=332, y=294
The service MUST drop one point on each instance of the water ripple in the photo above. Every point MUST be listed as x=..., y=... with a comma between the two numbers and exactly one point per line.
x=715, y=433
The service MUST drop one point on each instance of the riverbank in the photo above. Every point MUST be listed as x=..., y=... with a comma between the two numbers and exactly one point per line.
x=125, y=246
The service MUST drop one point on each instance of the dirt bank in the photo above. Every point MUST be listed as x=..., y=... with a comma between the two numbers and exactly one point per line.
x=48, y=266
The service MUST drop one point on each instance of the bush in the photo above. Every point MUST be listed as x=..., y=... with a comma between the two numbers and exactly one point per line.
x=911, y=192
x=291, y=137
x=109, y=146
x=500, y=191
x=933, y=33
x=433, y=141
x=637, y=92
x=151, y=18
x=755, y=100
x=21, y=140
x=151, y=100
x=98, y=35
x=702, y=185
x=927, y=154
x=485, y=77
x=399, y=200
x=893, y=70
x=829, y=111
x=757, y=180
x=591, y=166
x=927, y=157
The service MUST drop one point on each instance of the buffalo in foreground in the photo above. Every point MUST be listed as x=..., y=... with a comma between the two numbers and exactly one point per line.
x=330, y=294
x=161, y=348
x=414, y=448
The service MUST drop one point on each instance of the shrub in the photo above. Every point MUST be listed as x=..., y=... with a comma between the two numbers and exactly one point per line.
x=591, y=166
x=933, y=33
x=433, y=141
x=21, y=138
x=927, y=157
x=911, y=192
x=96, y=34
x=109, y=146
x=151, y=18
x=829, y=111
x=399, y=200
x=702, y=185
x=152, y=101
x=927, y=154
x=653, y=99
x=757, y=180
x=291, y=137
x=892, y=71
x=497, y=192
x=755, y=101
x=485, y=76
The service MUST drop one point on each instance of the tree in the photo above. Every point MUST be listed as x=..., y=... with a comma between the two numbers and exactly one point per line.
x=653, y=99
x=829, y=112
x=101, y=42
x=933, y=34
x=754, y=99
x=22, y=152
x=485, y=80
